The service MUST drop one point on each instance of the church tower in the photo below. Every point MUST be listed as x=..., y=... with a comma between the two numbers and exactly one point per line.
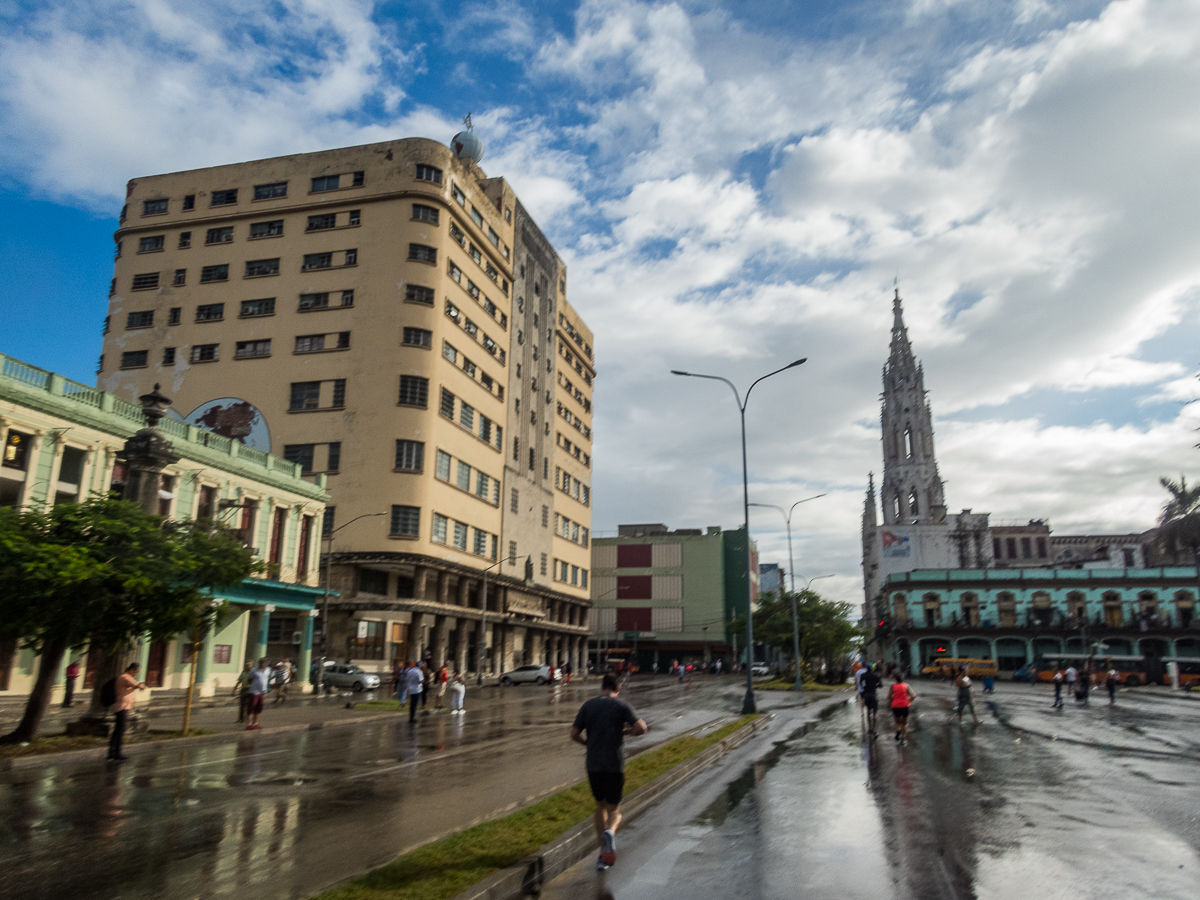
x=911, y=493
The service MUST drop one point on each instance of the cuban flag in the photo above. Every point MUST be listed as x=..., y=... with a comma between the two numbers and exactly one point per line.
x=894, y=544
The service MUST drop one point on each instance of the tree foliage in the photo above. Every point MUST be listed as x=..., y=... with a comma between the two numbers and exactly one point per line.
x=827, y=633
x=1179, y=524
x=103, y=573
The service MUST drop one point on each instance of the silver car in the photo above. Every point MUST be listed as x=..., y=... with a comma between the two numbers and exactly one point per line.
x=345, y=676
x=535, y=674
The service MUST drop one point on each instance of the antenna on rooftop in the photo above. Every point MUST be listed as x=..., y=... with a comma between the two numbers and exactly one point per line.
x=467, y=122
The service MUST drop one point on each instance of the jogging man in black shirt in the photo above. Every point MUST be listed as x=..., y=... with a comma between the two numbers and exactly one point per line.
x=871, y=682
x=606, y=720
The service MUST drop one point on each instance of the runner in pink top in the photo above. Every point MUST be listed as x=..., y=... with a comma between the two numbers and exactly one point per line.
x=902, y=698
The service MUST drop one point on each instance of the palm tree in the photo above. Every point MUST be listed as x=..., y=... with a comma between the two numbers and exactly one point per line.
x=1179, y=524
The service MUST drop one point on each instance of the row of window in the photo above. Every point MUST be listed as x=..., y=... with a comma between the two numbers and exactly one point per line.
x=570, y=530
x=275, y=190
x=477, y=217
x=476, y=294
x=575, y=335
x=472, y=371
x=305, y=454
x=1027, y=547
x=469, y=418
x=575, y=392
x=223, y=234
x=215, y=312
x=569, y=574
x=255, y=268
x=464, y=476
x=477, y=334
x=572, y=486
x=574, y=449
x=455, y=533
x=572, y=362
x=459, y=237
x=253, y=349
x=575, y=421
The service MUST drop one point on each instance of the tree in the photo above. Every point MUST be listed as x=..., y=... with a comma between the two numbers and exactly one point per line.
x=1179, y=524
x=826, y=632
x=104, y=573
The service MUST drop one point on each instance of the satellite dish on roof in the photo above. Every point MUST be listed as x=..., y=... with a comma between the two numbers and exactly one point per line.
x=466, y=144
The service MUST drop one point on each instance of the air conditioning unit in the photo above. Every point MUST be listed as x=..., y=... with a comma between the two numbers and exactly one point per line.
x=297, y=638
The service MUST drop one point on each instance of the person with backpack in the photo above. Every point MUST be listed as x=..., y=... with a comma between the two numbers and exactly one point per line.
x=902, y=698
x=118, y=694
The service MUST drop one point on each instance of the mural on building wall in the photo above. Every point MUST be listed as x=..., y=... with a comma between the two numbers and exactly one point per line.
x=894, y=544
x=235, y=419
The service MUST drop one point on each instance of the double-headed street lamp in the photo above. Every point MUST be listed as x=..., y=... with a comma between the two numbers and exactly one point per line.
x=748, y=704
x=325, y=600
x=787, y=517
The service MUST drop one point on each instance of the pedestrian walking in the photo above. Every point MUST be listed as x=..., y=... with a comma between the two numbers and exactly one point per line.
x=414, y=682
x=458, y=694
x=260, y=684
x=241, y=690
x=859, y=674
x=69, y=683
x=123, y=687
x=1072, y=679
x=989, y=683
x=426, y=686
x=398, y=681
x=1058, y=680
x=601, y=725
x=567, y=669
x=1085, y=683
x=279, y=681
x=718, y=667
x=1110, y=682
x=871, y=683
x=963, y=684
x=441, y=677
x=902, y=698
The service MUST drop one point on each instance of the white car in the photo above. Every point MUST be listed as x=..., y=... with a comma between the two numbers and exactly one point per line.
x=350, y=677
x=760, y=670
x=524, y=674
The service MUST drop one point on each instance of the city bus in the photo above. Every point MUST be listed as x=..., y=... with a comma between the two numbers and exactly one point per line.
x=948, y=667
x=1132, y=671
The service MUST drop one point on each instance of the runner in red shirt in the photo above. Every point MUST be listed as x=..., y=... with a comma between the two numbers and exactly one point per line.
x=902, y=698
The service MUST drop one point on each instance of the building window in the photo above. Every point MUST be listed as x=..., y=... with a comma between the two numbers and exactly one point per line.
x=327, y=521
x=262, y=267
x=442, y=469
x=410, y=455
x=252, y=349
x=146, y=281
x=333, y=461
x=1041, y=548
x=355, y=217
x=460, y=535
x=189, y=202
x=207, y=502
x=314, y=301
x=321, y=222
x=466, y=416
x=483, y=486
x=347, y=298
x=214, y=273
x=325, y=183
x=418, y=337
x=414, y=391
x=150, y=244
x=476, y=217
x=429, y=173
x=317, y=261
x=224, y=198
x=422, y=253
x=1026, y=548
x=310, y=343
x=464, y=476
x=142, y=319
x=545, y=519
x=424, y=214
x=447, y=404
x=515, y=502
x=210, y=312
x=264, y=307
x=135, y=359
x=458, y=195
x=204, y=353
x=168, y=356
x=273, y=228
x=219, y=235
x=300, y=453
x=305, y=395
x=185, y=240
x=440, y=524
x=415, y=293
x=352, y=257
x=512, y=551
x=339, y=393
x=358, y=179
x=154, y=207
x=270, y=191
x=481, y=542
x=180, y=277
x=406, y=521
x=175, y=315
x=1011, y=545
x=544, y=562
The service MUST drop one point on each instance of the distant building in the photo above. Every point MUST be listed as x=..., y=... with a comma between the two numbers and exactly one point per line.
x=937, y=584
x=660, y=595
x=769, y=578
x=62, y=442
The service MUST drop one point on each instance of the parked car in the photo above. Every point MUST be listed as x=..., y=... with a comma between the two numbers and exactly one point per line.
x=524, y=674
x=345, y=676
x=760, y=670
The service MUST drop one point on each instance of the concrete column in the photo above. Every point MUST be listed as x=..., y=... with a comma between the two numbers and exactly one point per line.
x=441, y=638
x=443, y=587
x=420, y=582
x=204, y=664
x=463, y=585
x=304, y=662
x=914, y=653
x=260, y=638
x=954, y=647
x=414, y=638
x=466, y=627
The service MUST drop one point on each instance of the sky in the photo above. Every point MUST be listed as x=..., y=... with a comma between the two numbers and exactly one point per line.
x=733, y=186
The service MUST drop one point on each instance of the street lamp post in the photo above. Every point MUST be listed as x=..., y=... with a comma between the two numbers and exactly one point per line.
x=481, y=642
x=325, y=598
x=748, y=704
x=787, y=517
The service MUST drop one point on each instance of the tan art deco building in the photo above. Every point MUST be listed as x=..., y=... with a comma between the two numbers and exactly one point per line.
x=391, y=317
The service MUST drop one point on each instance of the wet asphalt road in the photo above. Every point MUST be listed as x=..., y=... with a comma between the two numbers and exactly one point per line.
x=1083, y=802
x=280, y=817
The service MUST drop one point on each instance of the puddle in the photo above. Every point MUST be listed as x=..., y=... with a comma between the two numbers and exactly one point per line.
x=285, y=780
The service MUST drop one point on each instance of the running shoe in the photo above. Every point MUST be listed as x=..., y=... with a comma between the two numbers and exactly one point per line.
x=608, y=847
x=601, y=865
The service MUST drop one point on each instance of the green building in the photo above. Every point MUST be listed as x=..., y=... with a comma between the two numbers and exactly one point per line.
x=660, y=595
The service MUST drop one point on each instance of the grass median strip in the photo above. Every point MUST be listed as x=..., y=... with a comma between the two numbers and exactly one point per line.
x=447, y=867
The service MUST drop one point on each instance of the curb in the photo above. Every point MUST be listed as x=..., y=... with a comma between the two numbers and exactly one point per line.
x=554, y=858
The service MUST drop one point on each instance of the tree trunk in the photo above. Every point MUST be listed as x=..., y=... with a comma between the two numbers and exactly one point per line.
x=39, y=698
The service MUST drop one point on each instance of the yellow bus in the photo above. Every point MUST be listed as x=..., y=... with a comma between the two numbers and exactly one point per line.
x=948, y=666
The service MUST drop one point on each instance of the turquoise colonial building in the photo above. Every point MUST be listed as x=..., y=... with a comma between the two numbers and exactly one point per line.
x=62, y=441
x=1015, y=616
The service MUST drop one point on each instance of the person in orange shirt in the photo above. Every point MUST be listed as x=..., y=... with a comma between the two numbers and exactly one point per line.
x=902, y=698
x=126, y=684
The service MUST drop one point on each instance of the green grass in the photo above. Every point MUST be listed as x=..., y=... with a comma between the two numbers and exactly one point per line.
x=383, y=705
x=61, y=743
x=447, y=867
x=786, y=684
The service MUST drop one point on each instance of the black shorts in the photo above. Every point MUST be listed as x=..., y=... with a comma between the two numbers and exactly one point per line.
x=607, y=787
x=871, y=701
x=900, y=712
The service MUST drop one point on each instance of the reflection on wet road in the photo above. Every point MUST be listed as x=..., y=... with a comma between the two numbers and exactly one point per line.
x=282, y=816
x=1085, y=802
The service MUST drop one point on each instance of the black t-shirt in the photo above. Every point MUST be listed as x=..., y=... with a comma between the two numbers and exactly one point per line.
x=871, y=683
x=603, y=720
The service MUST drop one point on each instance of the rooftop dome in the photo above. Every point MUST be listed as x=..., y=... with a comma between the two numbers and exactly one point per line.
x=466, y=145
